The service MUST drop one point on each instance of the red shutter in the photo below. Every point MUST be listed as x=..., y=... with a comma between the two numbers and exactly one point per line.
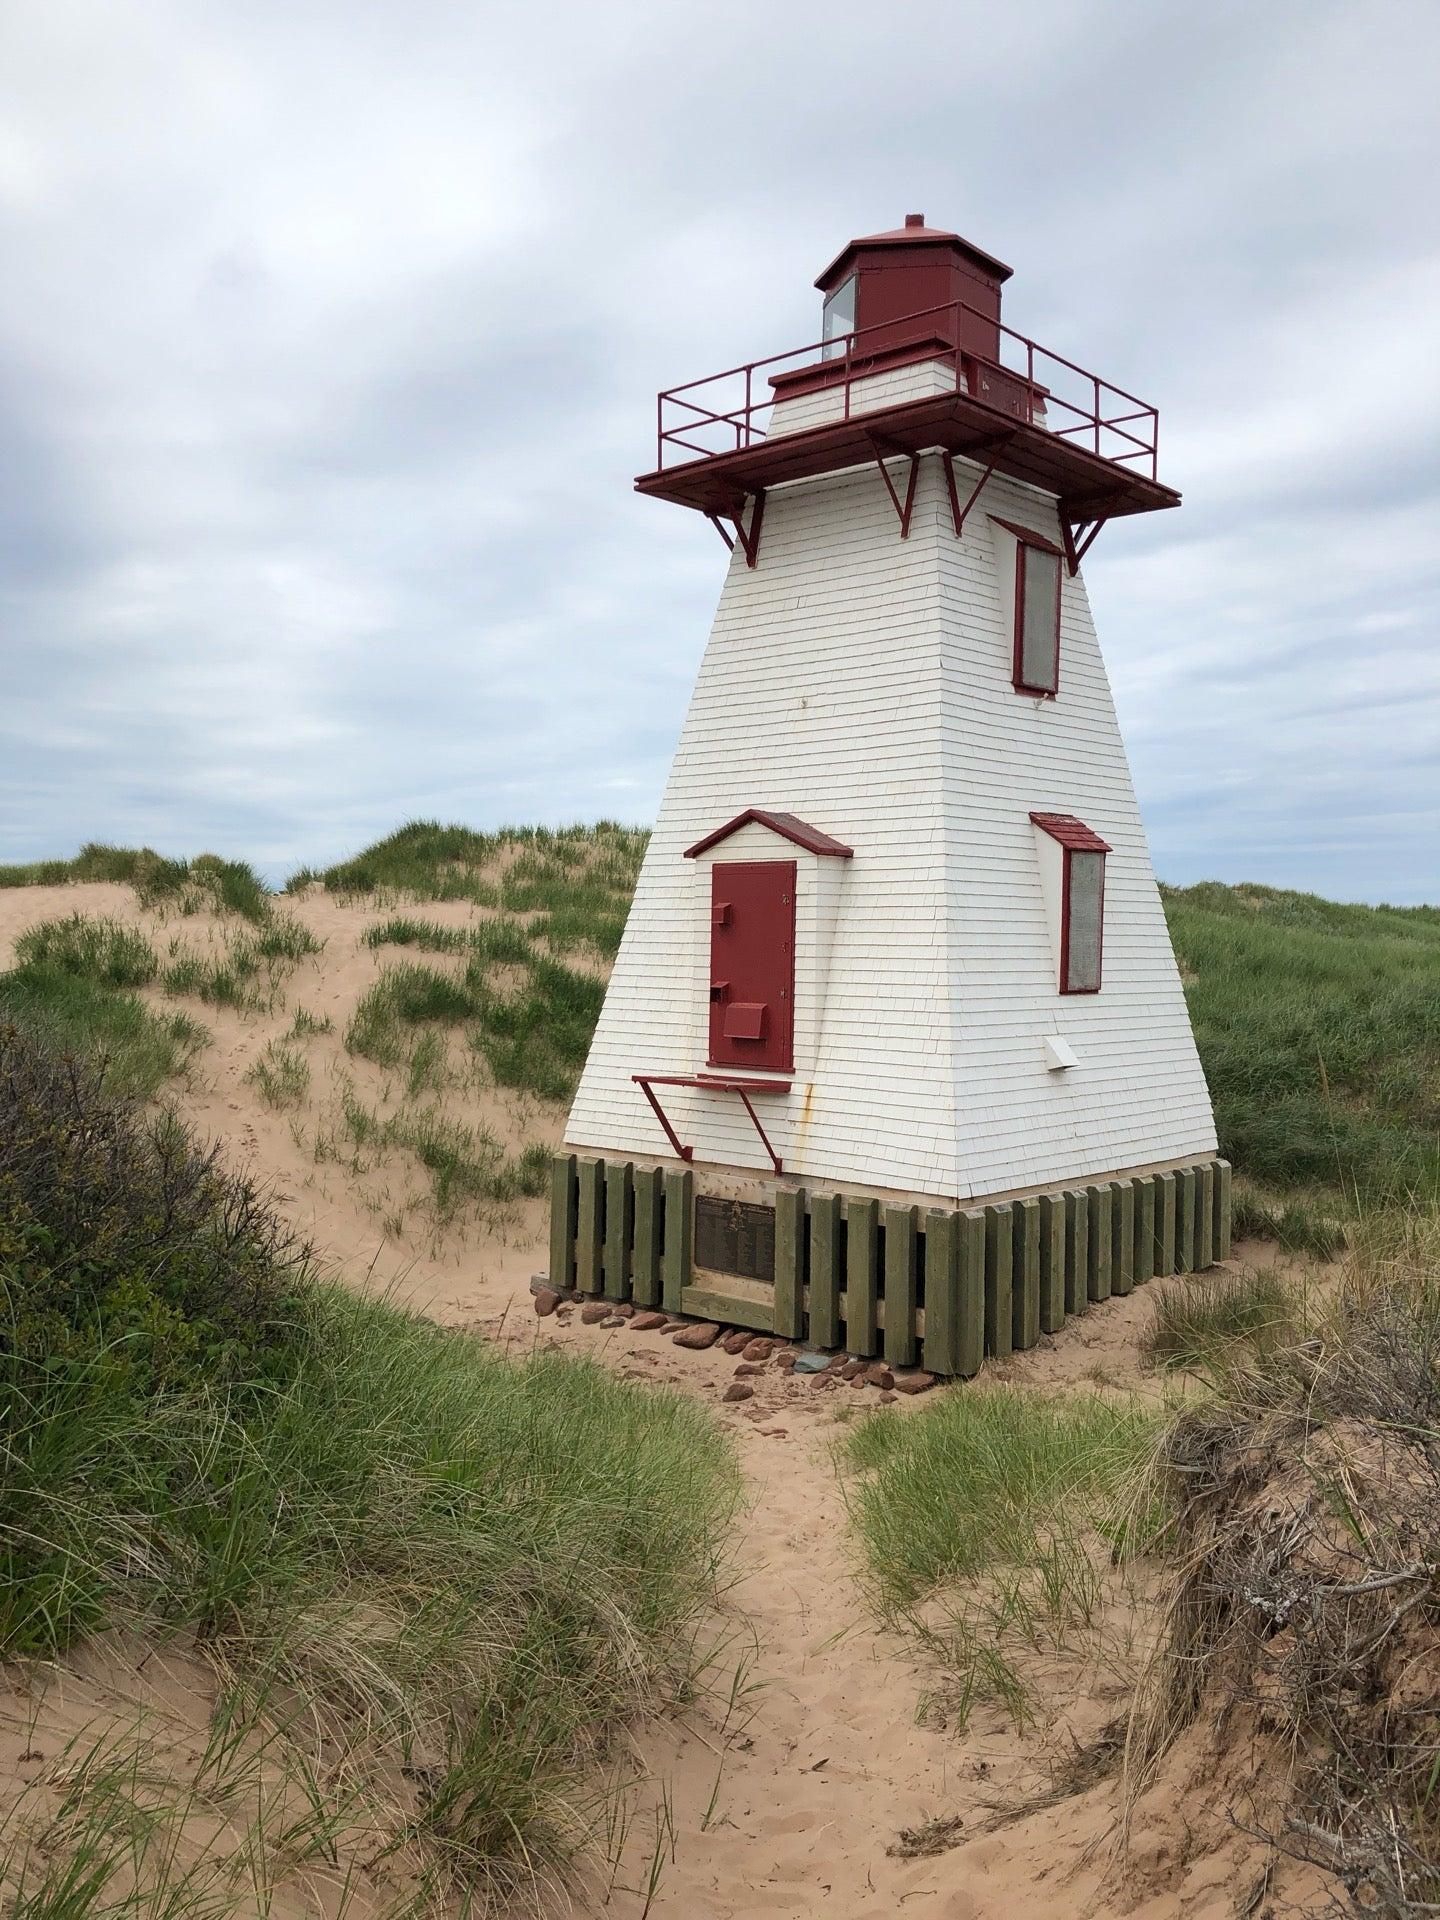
x=752, y=964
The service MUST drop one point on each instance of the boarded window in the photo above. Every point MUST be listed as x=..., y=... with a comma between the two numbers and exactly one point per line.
x=1037, y=619
x=1084, y=930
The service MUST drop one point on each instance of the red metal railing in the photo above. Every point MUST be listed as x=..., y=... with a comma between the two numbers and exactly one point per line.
x=726, y=411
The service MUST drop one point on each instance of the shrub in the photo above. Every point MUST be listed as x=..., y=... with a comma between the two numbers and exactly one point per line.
x=118, y=1231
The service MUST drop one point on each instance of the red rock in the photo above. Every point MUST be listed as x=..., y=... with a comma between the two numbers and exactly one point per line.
x=880, y=1376
x=623, y=1308
x=735, y=1342
x=545, y=1301
x=857, y=1380
x=776, y=1433
x=737, y=1390
x=837, y=1362
x=825, y=1380
x=542, y=1283
x=785, y=1360
x=649, y=1322
x=613, y=1320
x=704, y=1333
x=759, y=1350
x=853, y=1369
x=594, y=1310
x=888, y=1399
x=916, y=1382
x=747, y=1367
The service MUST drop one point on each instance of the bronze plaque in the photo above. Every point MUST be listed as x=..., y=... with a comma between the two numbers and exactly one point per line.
x=732, y=1236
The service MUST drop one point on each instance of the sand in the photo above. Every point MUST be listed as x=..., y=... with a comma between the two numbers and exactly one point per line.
x=784, y=1789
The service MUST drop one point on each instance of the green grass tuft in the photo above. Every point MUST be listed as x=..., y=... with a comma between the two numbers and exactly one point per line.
x=1210, y=1322
x=103, y=951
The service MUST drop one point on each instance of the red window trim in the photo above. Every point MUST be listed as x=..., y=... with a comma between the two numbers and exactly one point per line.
x=1017, y=670
x=1069, y=852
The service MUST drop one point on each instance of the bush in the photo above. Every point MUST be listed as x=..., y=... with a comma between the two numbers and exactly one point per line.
x=119, y=1233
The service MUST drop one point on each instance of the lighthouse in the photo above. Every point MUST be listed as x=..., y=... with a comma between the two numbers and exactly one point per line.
x=895, y=1056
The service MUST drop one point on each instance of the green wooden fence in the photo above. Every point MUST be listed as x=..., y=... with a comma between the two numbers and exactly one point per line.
x=942, y=1287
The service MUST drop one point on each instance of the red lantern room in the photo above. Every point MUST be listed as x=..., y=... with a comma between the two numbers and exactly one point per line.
x=912, y=286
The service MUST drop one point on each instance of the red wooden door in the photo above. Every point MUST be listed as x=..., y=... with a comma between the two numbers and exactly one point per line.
x=752, y=964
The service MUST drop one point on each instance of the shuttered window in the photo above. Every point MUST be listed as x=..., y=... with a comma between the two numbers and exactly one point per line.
x=1084, y=921
x=1037, y=619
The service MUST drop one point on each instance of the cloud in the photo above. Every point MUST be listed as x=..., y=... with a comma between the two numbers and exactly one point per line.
x=329, y=337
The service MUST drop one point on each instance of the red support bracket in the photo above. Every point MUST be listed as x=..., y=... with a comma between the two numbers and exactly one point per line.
x=710, y=1083
x=749, y=537
x=884, y=451
x=958, y=513
x=1077, y=548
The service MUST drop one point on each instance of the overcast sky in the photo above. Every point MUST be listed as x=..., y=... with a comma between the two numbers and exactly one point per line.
x=329, y=337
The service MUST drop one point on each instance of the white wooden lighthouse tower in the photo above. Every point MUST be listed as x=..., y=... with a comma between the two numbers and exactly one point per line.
x=895, y=1052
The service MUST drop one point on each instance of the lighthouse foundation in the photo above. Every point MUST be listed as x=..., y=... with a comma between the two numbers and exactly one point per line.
x=913, y=1284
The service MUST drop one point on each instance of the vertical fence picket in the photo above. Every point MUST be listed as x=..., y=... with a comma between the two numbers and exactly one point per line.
x=1025, y=1275
x=1122, y=1236
x=942, y=1289
x=1101, y=1249
x=1165, y=1223
x=1052, y=1262
x=1144, y=1230
x=1204, y=1217
x=970, y=1304
x=1185, y=1185
x=619, y=1202
x=862, y=1247
x=900, y=1343
x=562, y=1221
x=675, y=1259
x=825, y=1270
x=999, y=1290
x=1077, y=1250
x=645, y=1260
x=590, y=1225
x=1222, y=1209
x=790, y=1263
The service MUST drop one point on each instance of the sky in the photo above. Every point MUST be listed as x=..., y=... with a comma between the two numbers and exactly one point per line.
x=330, y=335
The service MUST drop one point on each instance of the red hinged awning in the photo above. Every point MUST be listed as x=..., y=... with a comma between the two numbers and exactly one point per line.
x=1071, y=832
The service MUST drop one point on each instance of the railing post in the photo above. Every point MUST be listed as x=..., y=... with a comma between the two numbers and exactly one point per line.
x=749, y=371
x=659, y=431
x=1095, y=382
x=1030, y=383
x=849, y=347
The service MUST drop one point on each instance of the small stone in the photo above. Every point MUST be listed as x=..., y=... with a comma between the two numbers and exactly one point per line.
x=735, y=1342
x=837, y=1362
x=825, y=1380
x=785, y=1361
x=650, y=1322
x=745, y=1368
x=853, y=1369
x=917, y=1382
x=613, y=1320
x=811, y=1362
x=759, y=1350
x=623, y=1308
x=697, y=1338
x=545, y=1301
x=542, y=1283
x=888, y=1399
x=776, y=1433
x=880, y=1376
x=593, y=1311
x=857, y=1380
x=737, y=1390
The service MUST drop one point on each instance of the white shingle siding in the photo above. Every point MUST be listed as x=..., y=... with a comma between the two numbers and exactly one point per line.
x=863, y=682
x=919, y=381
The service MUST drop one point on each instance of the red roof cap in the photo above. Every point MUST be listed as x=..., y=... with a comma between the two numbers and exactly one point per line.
x=915, y=233
x=1071, y=832
x=788, y=825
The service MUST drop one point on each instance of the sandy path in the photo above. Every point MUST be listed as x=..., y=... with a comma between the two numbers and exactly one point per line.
x=780, y=1790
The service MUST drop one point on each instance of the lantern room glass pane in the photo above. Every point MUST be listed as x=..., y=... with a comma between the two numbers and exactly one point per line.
x=1040, y=620
x=839, y=319
x=1084, y=910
